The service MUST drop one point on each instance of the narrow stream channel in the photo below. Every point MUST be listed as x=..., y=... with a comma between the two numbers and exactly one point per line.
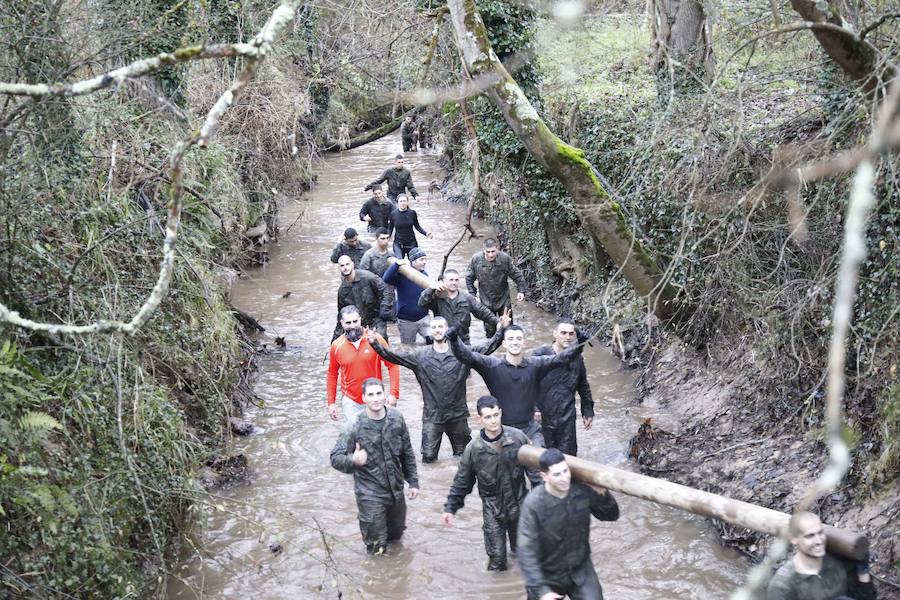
x=295, y=500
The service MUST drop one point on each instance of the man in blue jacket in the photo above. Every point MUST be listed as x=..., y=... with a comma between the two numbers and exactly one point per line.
x=412, y=318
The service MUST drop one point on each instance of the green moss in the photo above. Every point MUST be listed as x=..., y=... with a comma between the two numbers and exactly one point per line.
x=188, y=52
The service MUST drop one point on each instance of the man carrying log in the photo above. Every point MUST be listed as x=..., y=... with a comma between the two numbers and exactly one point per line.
x=367, y=292
x=377, y=452
x=398, y=179
x=445, y=299
x=490, y=459
x=813, y=574
x=556, y=401
x=412, y=319
x=554, y=549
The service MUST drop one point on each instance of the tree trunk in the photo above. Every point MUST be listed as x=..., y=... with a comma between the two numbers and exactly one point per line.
x=602, y=217
x=682, y=45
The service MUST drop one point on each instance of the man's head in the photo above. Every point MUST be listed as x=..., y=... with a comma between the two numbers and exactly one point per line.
x=451, y=279
x=345, y=264
x=555, y=472
x=373, y=394
x=490, y=249
x=402, y=201
x=418, y=259
x=351, y=236
x=352, y=323
x=408, y=119
x=807, y=534
x=382, y=238
x=514, y=340
x=564, y=333
x=438, y=326
x=489, y=414
x=378, y=192
x=398, y=162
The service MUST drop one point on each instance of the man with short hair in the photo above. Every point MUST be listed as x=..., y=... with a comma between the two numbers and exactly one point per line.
x=556, y=401
x=350, y=246
x=377, y=452
x=351, y=357
x=398, y=179
x=491, y=268
x=367, y=292
x=443, y=382
x=376, y=211
x=813, y=574
x=491, y=460
x=375, y=260
x=446, y=299
x=412, y=319
x=554, y=548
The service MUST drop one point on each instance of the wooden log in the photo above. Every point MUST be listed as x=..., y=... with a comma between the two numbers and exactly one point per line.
x=841, y=542
x=417, y=277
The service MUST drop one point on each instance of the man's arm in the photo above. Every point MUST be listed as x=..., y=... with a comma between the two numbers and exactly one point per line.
x=516, y=275
x=411, y=187
x=584, y=392
x=381, y=179
x=603, y=506
x=482, y=312
x=410, y=474
x=528, y=553
x=385, y=297
x=365, y=263
x=392, y=275
x=471, y=277
x=464, y=354
x=341, y=454
x=393, y=372
x=780, y=588
x=410, y=360
x=426, y=299
x=331, y=382
x=491, y=345
x=364, y=211
x=463, y=483
x=545, y=363
x=336, y=253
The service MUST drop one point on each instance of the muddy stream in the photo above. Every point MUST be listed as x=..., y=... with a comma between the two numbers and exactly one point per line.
x=296, y=504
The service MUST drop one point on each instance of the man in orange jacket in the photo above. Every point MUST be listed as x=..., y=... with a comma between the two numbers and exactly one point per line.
x=353, y=357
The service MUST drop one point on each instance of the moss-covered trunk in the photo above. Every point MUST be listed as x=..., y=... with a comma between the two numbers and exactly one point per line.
x=602, y=217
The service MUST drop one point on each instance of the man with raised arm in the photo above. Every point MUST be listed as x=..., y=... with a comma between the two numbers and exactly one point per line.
x=446, y=299
x=443, y=382
x=492, y=268
x=554, y=549
x=490, y=459
x=399, y=180
x=350, y=245
x=377, y=452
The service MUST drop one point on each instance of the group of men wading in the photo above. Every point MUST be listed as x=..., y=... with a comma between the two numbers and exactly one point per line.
x=531, y=401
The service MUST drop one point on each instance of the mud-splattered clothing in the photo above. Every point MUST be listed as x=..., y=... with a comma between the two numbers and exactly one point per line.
x=832, y=582
x=379, y=213
x=458, y=311
x=492, y=277
x=398, y=182
x=354, y=252
x=369, y=294
x=557, y=401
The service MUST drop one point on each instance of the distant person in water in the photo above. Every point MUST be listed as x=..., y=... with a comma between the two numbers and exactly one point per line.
x=376, y=211
x=404, y=223
x=407, y=133
x=813, y=574
x=399, y=180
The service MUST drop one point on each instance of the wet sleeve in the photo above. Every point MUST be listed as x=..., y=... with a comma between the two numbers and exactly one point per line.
x=463, y=482
x=603, y=506
x=364, y=211
x=392, y=275
x=410, y=360
x=336, y=253
x=584, y=392
x=411, y=187
x=528, y=553
x=381, y=179
x=545, y=363
x=482, y=312
x=416, y=224
x=331, y=385
x=857, y=589
x=491, y=345
x=410, y=474
x=516, y=275
x=426, y=298
x=465, y=355
x=365, y=263
x=780, y=589
x=471, y=277
x=342, y=454
x=387, y=299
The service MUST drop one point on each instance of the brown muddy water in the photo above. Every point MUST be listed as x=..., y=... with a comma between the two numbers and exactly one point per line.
x=296, y=502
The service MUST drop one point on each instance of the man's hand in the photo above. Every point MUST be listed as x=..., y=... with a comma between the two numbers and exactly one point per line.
x=537, y=416
x=402, y=261
x=451, y=334
x=367, y=219
x=429, y=235
x=520, y=297
x=391, y=401
x=597, y=488
x=581, y=335
x=332, y=410
x=552, y=596
x=588, y=421
x=505, y=319
x=413, y=493
x=370, y=335
x=447, y=518
x=360, y=456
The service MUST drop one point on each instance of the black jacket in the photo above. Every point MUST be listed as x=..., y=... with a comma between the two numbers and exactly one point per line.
x=493, y=287
x=398, y=181
x=496, y=468
x=378, y=212
x=369, y=294
x=390, y=457
x=554, y=535
x=355, y=254
x=441, y=377
x=458, y=311
x=557, y=395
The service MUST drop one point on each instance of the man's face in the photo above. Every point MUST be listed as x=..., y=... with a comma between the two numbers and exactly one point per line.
x=564, y=334
x=419, y=263
x=379, y=195
x=810, y=541
x=438, y=329
x=452, y=281
x=558, y=478
x=382, y=241
x=351, y=321
x=353, y=242
x=513, y=342
x=490, y=418
x=373, y=396
x=398, y=164
x=345, y=264
x=490, y=254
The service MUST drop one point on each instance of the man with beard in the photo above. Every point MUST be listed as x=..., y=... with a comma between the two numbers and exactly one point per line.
x=457, y=307
x=377, y=452
x=443, y=382
x=813, y=574
x=554, y=533
x=367, y=292
x=376, y=211
x=492, y=268
x=491, y=460
x=398, y=179
x=350, y=245
x=351, y=357
x=556, y=401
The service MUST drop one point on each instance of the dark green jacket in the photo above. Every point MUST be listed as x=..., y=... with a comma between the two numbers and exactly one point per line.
x=458, y=311
x=557, y=395
x=831, y=582
x=369, y=294
x=493, y=286
x=398, y=182
x=390, y=457
x=355, y=254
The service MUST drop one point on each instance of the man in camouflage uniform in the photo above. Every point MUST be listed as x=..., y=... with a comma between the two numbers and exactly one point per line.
x=491, y=460
x=375, y=260
x=367, y=292
x=491, y=268
x=457, y=307
x=350, y=246
x=399, y=180
x=377, y=452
